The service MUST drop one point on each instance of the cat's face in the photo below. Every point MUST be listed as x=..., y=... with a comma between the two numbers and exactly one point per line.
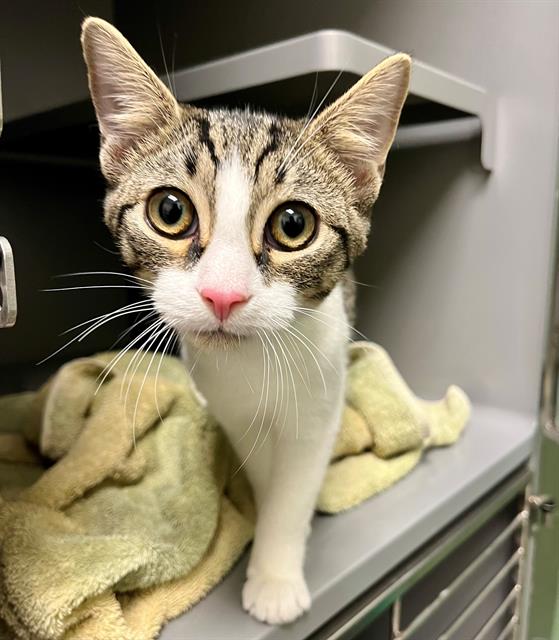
x=239, y=219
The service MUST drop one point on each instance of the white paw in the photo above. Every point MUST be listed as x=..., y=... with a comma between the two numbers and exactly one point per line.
x=276, y=600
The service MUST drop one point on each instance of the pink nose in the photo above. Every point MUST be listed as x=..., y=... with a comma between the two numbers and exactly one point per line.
x=222, y=301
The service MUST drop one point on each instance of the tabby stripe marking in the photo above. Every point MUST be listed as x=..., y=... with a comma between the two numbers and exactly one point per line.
x=270, y=148
x=190, y=164
x=206, y=140
x=121, y=213
x=280, y=173
x=344, y=238
x=195, y=252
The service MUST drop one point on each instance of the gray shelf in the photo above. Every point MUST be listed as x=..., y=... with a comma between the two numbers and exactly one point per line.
x=332, y=50
x=280, y=77
x=350, y=552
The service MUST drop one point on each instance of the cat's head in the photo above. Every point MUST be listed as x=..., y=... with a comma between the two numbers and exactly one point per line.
x=237, y=217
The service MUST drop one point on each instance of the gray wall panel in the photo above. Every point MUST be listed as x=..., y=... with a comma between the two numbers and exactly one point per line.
x=465, y=300
x=42, y=65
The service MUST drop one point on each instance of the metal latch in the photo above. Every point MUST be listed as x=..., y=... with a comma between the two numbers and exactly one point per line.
x=8, y=300
x=544, y=506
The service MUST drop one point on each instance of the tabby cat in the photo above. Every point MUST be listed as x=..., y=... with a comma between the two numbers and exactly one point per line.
x=246, y=225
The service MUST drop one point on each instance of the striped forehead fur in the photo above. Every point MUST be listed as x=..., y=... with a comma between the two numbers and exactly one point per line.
x=201, y=144
x=188, y=156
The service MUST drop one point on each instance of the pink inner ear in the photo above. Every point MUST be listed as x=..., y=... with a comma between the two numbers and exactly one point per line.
x=362, y=173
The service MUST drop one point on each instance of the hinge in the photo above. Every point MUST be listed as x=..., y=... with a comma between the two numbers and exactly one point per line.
x=543, y=507
x=8, y=299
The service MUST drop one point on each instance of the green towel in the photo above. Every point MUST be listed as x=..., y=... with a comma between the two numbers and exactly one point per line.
x=116, y=517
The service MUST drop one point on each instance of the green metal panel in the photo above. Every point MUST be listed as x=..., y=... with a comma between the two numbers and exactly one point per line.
x=542, y=612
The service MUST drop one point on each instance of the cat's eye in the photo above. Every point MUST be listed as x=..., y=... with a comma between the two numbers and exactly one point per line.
x=171, y=213
x=291, y=226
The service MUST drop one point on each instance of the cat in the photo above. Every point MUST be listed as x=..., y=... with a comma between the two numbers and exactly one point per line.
x=246, y=224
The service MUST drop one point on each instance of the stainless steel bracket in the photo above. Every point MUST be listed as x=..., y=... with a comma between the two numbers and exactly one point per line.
x=544, y=507
x=8, y=298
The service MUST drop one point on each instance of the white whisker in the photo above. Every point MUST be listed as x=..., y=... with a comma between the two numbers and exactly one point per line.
x=308, y=312
x=319, y=368
x=258, y=333
x=293, y=149
x=141, y=352
x=273, y=418
x=134, y=307
x=99, y=324
x=303, y=361
x=289, y=370
x=103, y=273
x=364, y=284
x=313, y=97
x=152, y=333
x=131, y=328
x=318, y=350
x=116, y=359
x=167, y=344
x=164, y=331
x=193, y=367
x=298, y=159
x=278, y=369
x=106, y=318
x=267, y=379
x=169, y=83
x=306, y=381
x=95, y=286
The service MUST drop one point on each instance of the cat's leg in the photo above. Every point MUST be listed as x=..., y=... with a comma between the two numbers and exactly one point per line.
x=275, y=591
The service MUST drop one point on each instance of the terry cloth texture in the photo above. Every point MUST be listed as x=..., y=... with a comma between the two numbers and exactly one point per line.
x=116, y=516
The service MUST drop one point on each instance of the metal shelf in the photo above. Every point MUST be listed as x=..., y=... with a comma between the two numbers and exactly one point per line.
x=280, y=77
x=334, y=51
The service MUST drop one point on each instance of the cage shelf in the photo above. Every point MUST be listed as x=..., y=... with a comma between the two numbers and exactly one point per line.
x=282, y=77
x=277, y=70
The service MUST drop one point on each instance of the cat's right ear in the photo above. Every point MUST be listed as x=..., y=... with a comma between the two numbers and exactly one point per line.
x=129, y=99
x=360, y=125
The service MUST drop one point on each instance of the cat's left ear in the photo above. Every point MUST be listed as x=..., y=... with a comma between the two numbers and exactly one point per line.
x=360, y=126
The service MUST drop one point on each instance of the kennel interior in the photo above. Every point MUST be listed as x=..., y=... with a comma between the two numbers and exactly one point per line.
x=456, y=279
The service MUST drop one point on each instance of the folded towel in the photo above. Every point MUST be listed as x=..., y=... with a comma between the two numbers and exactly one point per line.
x=116, y=516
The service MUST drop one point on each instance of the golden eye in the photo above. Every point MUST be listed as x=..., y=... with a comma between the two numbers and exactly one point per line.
x=171, y=213
x=291, y=226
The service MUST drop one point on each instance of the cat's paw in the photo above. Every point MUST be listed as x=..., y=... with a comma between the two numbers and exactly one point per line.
x=276, y=600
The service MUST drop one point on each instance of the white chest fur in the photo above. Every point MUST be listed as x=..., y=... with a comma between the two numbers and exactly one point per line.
x=279, y=399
